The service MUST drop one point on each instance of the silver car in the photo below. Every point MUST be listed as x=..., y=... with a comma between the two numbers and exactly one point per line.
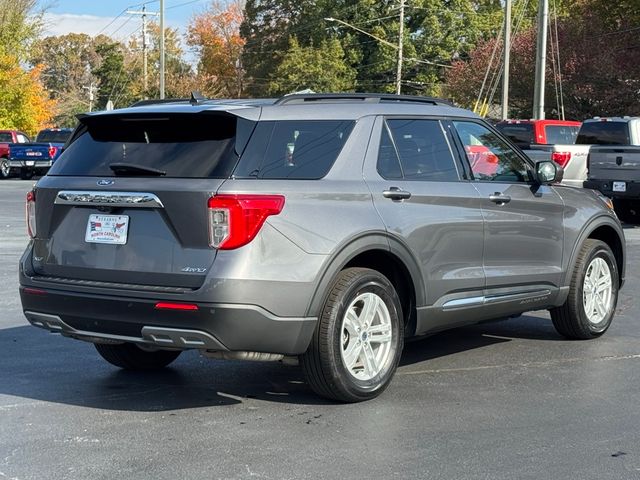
x=324, y=228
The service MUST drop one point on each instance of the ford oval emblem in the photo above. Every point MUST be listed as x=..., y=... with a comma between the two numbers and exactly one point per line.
x=105, y=182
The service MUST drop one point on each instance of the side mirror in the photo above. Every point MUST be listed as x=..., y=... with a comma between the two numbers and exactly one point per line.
x=548, y=172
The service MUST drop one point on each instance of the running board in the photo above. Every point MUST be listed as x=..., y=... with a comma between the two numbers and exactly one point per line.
x=469, y=302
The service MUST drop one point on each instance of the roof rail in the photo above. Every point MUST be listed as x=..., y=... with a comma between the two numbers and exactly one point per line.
x=363, y=97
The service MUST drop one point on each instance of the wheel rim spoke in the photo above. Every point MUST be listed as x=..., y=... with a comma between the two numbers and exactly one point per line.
x=380, y=333
x=370, y=362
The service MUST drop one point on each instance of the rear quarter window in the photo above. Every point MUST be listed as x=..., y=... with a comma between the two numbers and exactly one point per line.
x=180, y=145
x=295, y=150
x=561, y=134
x=53, y=136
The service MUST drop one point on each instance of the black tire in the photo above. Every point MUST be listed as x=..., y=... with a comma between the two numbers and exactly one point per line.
x=132, y=357
x=322, y=364
x=571, y=320
x=5, y=168
x=25, y=174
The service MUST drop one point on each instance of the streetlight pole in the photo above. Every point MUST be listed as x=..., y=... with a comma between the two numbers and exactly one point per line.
x=400, y=50
x=541, y=59
x=161, y=49
x=506, y=59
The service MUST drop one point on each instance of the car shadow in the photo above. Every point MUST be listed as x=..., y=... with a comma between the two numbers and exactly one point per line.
x=47, y=367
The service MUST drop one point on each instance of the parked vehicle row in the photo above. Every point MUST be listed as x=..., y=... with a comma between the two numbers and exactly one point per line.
x=322, y=228
x=21, y=156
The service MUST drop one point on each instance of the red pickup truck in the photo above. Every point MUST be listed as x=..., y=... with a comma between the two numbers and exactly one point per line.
x=539, y=132
x=7, y=137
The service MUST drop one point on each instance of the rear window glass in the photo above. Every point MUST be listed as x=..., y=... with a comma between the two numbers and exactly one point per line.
x=294, y=150
x=519, y=133
x=51, y=136
x=562, y=134
x=6, y=138
x=604, y=133
x=179, y=145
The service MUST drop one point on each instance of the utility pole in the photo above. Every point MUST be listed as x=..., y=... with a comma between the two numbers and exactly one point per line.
x=400, y=50
x=506, y=59
x=91, y=88
x=161, y=49
x=541, y=59
x=145, y=43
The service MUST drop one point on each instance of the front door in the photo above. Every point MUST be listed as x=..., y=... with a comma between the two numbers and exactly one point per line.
x=523, y=239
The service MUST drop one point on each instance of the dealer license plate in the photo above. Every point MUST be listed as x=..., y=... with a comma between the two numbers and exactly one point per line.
x=107, y=229
x=619, y=186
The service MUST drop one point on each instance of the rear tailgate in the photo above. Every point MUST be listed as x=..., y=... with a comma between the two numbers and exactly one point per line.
x=32, y=152
x=615, y=163
x=126, y=204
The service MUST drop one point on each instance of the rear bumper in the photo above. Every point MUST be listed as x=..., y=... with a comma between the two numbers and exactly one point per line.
x=213, y=326
x=30, y=163
x=606, y=188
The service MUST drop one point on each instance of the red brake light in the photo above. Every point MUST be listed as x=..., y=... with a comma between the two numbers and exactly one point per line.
x=31, y=214
x=175, y=306
x=235, y=220
x=561, y=158
x=52, y=151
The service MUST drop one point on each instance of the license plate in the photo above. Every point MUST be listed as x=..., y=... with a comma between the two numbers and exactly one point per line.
x=30, y=163
x=107, y=229
x=619, y=186
x=34, y=154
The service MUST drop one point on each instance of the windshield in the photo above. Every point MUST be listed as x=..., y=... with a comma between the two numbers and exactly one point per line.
x=53, y=136
x=604, y=133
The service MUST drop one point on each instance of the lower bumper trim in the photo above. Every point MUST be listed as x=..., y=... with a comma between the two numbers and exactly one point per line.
x=161, y=337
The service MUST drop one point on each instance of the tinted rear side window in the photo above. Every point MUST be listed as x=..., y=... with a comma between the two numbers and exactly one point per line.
x=604, y=133
x=519, y=133
x=562, y=134
x=181, y=145
x=6, y=138
x=53, y=136
x=294, y=150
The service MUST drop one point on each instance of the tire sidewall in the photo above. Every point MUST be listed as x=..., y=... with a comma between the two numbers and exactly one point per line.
x=379, y=285
x=601, y=251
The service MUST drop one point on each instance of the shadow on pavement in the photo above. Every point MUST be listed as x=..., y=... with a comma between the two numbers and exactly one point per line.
x=47, y=367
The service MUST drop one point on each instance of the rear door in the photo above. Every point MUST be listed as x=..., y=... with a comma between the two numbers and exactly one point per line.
x=523, y=239
x=126, y=203
x=419, y=191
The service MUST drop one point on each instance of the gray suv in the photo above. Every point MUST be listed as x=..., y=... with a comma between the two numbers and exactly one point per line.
x=324, y=228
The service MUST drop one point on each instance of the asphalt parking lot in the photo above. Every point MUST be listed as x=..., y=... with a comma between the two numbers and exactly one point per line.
x=507, y=400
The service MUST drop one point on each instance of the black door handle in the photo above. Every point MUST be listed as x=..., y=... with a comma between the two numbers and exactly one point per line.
x=395, y=193
x=499, y=198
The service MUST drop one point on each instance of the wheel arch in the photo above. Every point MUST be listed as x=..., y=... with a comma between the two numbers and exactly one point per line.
x=608, y=231
x=385, y=254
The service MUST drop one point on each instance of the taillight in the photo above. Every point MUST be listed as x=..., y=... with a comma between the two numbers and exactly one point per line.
x=31, y=213
x=52, y=151
x=561, y=158
x=235, y=220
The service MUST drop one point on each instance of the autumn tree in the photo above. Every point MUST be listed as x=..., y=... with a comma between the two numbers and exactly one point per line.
x=215, y=36
x=24, y=103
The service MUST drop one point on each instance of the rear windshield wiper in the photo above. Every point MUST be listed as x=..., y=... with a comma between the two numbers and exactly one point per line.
x=133, y=169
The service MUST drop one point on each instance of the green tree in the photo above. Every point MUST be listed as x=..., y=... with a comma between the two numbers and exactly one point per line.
x=20, y=25
x=321, y=69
